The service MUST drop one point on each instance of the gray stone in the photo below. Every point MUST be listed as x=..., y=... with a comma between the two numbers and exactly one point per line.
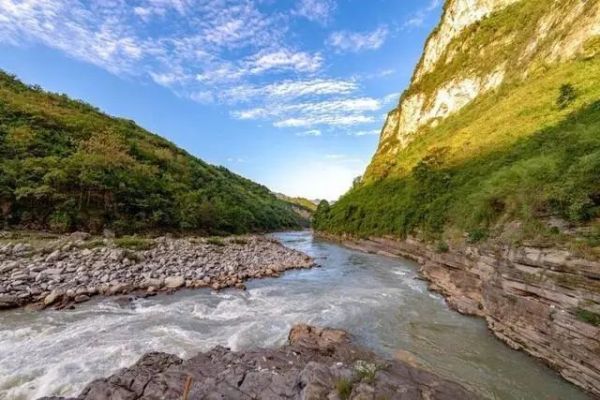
x=174, y=282
x=308, y=368
x=83, y=236
x=7, y=267
x=21, y=248
x=81, y=298
x=107, y=233
x=8, y=301
x=52, y=297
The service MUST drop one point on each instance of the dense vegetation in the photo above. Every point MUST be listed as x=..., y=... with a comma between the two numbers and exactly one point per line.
x=518, y=164
x=301, y=203
x=64, y=165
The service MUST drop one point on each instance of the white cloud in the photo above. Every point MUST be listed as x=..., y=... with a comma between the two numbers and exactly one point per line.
x=372, y=132
x=344, y=41
x=202, y=97
x=333, y=120
x=418, y=19
x=312, y=132
x=351, y=111
x=391, y=98
x=316, y=10
x=197, y=41
x=152, y=8
x=291, y=89
x=283, y=59
x=226, y=51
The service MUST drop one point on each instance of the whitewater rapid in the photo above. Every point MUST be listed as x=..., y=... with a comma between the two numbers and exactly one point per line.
x=378, y=299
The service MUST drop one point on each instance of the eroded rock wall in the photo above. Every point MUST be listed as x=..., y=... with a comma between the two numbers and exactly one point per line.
x=441, y=88
x=529, y=297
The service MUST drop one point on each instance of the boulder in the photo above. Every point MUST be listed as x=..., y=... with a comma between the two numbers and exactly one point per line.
x=83, y=236
x=81, y=298
x=8, y=301
x=7, y=267
x=21, y=248
x=52, y=297
x=54, y=256
x=174, y=282
x=108, y=234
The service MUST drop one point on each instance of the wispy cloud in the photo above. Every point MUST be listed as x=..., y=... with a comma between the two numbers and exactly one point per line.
x=418, y=19
x=333, y=120
x=191, y=54
x=350, y=111
x=391, y=98
x=316, y=10
x=312, y=132
x=291, y=89
x=283, y=59
x=345, y=41
x=235, y=52
x=372, y=132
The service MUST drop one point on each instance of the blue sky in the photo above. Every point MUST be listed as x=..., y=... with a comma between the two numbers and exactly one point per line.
x=289, y=93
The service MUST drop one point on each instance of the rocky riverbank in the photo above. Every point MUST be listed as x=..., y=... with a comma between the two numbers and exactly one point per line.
x=62, y=271
x=543, y=301
x=316, y=364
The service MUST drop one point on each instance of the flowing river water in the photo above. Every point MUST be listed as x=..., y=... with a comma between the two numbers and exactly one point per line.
x=378, y=299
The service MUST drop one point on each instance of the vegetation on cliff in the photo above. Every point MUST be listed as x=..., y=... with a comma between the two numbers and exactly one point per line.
x=65, y=165
x=521, y=162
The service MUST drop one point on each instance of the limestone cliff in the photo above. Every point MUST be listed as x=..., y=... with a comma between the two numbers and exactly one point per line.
x=479, y=46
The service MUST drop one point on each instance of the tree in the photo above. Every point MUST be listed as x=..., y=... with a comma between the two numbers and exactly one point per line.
x=566, y=96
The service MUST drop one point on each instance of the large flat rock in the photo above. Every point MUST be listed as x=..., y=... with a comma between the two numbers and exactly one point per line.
x=316, y=364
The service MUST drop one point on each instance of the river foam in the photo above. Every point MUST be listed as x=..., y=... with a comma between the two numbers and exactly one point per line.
x=376, y=298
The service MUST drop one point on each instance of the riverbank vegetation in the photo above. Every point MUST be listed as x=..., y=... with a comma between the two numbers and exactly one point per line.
x=65, y=165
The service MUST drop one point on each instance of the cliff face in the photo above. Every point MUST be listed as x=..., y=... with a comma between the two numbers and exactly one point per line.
x=476, y=49
x=530, y=298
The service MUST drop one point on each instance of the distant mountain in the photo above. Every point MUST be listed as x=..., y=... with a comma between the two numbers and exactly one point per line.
x=310, y=205
x=302, y=206
x=65, y=165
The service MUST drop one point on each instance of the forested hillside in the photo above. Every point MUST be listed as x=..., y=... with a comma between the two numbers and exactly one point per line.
x=498, y=135
x=65, y=165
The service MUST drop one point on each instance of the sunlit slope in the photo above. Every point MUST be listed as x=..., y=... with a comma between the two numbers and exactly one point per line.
x=521, y=161
x=65, y=165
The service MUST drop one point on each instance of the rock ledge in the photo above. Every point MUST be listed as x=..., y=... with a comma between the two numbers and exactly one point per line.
x=316, y=364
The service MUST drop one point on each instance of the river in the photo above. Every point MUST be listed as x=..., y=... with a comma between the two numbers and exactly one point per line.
x=378, y=299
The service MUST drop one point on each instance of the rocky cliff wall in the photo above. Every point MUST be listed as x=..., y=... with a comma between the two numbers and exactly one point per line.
x=536, y=300
x=478, y=47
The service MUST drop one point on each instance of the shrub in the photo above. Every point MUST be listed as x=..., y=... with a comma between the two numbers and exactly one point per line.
x=566, y=96
x=477, y=235
x=442, y=247
x=344, y=388
x=59, y=222
x=240, y=241
x=590, y=317
x=366, y=371
x=215, y=241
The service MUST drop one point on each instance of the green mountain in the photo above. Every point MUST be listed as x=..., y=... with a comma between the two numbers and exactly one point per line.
x=497, y=136
x=65, y=165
